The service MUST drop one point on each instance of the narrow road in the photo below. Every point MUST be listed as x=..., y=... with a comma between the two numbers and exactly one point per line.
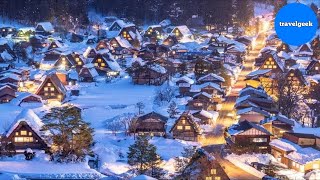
x=215, y=143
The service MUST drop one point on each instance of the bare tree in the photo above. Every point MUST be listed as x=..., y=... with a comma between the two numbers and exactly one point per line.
x=164, y=94
x=133, y=126
x=126, y=121
x=114, y=127
x=140, y=106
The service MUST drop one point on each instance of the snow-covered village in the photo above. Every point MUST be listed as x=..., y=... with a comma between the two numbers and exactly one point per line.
x=156, y=89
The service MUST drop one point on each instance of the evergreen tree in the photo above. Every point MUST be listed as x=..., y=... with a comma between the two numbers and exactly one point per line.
x=71, y=136
x=173, y=109
x=143, y=155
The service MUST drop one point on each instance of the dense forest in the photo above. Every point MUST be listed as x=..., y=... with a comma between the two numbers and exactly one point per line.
x=225, y=12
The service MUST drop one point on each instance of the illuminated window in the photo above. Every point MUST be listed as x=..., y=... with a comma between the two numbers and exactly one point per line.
x=30, y=133
x=95, y=64
x=291, y=74
x=77, y=59
x=259, y=139
x=179, y=127
x=217, y=178
x=188, y=127
x=54, y=46
x=79, y=63
x=17, y=133
x=63, y=58
x=272, y=62
x=183, y=121
x=103, y=64
x=274, y=67
x=46, y=94
x=23, y=139
x=49, y=84
x=46, y=88
x=52, y=89
x=23, y=133
x=213, y=171
x=99, y=60
x=52, y=94
x=208, y=178
x=317, y=68
x=267, y=62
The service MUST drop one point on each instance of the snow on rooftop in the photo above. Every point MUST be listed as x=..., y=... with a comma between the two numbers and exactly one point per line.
x=47, y=26
x=143, y=177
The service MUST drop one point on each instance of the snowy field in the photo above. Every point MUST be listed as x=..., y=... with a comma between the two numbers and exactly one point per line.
x=101, y=103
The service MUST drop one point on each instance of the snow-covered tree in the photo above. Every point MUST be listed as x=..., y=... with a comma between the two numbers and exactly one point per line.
x=182, y=162
x=140, y=106
x=173, y=109
x=143, y=155
x=71, y=136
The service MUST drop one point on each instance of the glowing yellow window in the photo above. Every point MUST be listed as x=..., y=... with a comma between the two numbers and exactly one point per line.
x=79, y=63
x=17, y=133
x=217, y=178
x=30, y=133
x=267, y=62
x=213, y=171
x=316, y=68
x=23, y=133
x=272, y=62
x=49, y=84
x=208, y=178
x=179, y=127
x=63, y=59
x=291, y=74
x=46, y=94
x=99, y=60
x=52, y=94
x=77, y=59
x=270, y=58
x=103, y=64
x=52, y=89
x=274, y=67
x=183, y=121
x=54, y=46
x=95, y=64
x=265, y=66
x=187, y=127
x=46, y=88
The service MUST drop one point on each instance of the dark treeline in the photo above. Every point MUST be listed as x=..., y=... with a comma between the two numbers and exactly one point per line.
x=148, y=11
x=224, y=12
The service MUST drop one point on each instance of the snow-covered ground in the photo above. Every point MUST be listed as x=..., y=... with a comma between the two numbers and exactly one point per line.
x=41, y=167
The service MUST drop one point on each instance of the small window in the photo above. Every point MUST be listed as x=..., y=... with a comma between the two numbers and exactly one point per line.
x=99, y=60
x=17, y=133
x=49, y=84
x=52, y=94
x=187, y=127
x=213, y=171
x=208, y=178
x=52, y=89
x=23, y=133
x=317, y=68
x=30, y=133
x=103, y=64
x=179, y=127
x=46, y=94
x=217, y=178
x=77, y=59
x=46, y=88
x=95, y=64
x=183, y=121
x=79, y=63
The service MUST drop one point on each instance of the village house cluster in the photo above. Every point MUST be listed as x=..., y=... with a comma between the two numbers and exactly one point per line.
x=202, y=65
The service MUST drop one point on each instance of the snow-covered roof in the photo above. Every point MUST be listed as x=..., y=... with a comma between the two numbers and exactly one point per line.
x=113, y=65
x=279, y=117
x=6, y=56
x=3, y=41
x=123, y=42
x=258, y=73
x=26, y=29
x=186, y=79
x=299, y=154
x=244, y=126
x=185, y=31
x=253, y=109
x=197, y=88
x=23, y=96
x=47, y=26
x=204, y=94
x=28, y=116
x=212, y=76
x=158, y=68
x=11, y=76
